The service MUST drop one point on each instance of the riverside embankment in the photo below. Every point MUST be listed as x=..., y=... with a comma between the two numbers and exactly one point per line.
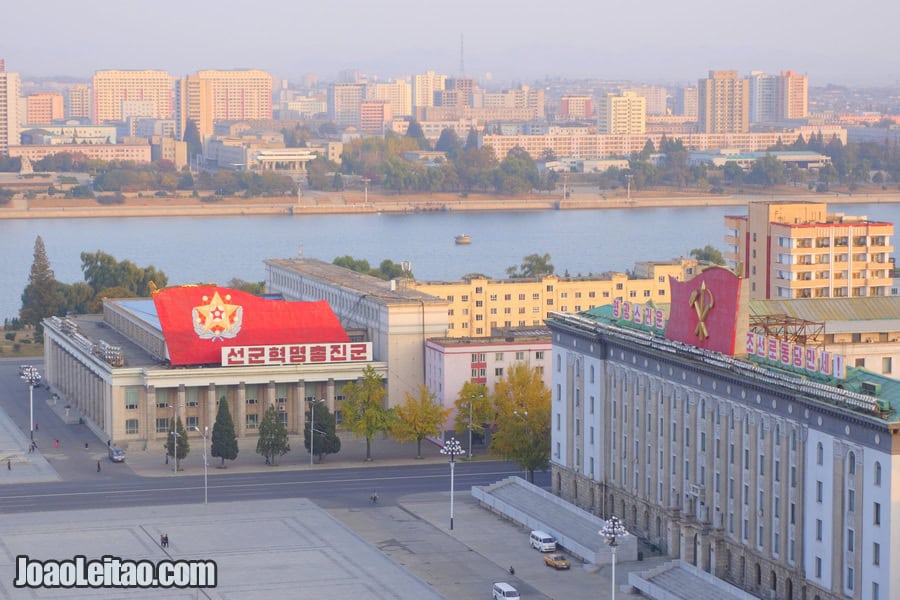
x=322, y=203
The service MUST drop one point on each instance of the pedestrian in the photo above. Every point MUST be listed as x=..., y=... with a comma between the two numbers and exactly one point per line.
x=36, y=426
x=165, y=540
x=108, y=443
x=162, y=540
x=56, y=443
x=167, y=458
x=8, y=465
x=85, y=445
x=98, y=466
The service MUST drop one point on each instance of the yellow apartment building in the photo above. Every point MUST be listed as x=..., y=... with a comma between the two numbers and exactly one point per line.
x=112, y=88
x=799, y=250
x=478, y=305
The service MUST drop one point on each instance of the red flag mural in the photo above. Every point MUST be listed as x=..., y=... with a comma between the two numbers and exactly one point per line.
x=197, y=321
x=705, y=310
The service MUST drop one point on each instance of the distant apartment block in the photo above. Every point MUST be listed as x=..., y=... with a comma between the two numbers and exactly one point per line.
x=799, y=250
x=374, y=115
x=115, y=90
x=686, y=103
x=478, y=305
x=239, y=95
x=44, y=108
x=576, y=108
x=763, y=97
x=79, y=103
x=592, y=146
x=10, y=92
x=305, y=107
x=194, y=103
x=424, y=86
x=793, y=96
x=139, y=153
x=344, y=100
x=656, y=97
x=723, y=103
x=523, y=98
x=398, y=94
x=433, y=129
x=622, y=114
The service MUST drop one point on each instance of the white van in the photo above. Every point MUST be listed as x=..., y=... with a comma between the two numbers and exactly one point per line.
x=504, y=591
x=543, y=541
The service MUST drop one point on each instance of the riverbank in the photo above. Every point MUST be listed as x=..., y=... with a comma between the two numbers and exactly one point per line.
x=357, y=202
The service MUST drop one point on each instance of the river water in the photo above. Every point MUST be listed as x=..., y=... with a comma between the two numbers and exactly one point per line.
x=216, y=249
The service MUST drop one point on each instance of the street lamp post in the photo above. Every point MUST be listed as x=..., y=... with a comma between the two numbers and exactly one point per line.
x=204, y=433
x=612, y=531
x=175, y=449
x=31, y=376
x=312, y=427
x=451, y=448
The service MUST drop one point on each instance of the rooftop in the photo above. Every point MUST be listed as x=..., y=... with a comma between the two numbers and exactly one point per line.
x=385, y=291
x=835, y=311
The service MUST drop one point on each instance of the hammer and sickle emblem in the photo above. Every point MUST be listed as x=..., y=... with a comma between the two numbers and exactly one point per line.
x=702, y=300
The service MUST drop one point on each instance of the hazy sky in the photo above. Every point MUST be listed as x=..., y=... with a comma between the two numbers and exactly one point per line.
x=655, y=41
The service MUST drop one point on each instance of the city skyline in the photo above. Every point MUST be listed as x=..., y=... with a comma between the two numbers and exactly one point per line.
x=507, y=47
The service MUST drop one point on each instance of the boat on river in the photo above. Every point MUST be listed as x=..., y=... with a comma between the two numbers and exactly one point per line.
x=463, y=239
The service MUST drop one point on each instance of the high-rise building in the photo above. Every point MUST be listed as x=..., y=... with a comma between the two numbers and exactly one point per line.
x=792, y=94
x=723, y=103
x=10, y=90
x=424, y=86
x=686, y=102
x=344, y=100
x=239, y=94
x=762, y=97
x=44, y=108
x=397, y=93
x=78, y=102
x=799, y=250
x=112, y=88
x=656, y=97
x=576, y=107
x=193, y=102
x=623, y=113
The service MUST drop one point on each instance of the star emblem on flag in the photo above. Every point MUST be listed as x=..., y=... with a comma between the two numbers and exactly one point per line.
x=217, y=318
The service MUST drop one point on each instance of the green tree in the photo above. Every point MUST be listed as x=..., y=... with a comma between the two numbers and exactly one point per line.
x=449, y=143
x=415, y=132
x=224, y=440
x=471, y=140
x=522, y=402
x=102, y=270
x=273, y=437
x=77, y=299
x=708, y=254
x=363, y=407
x=418, y=418
x=41, y=298
x=533, y=265
x=326, y=440
x=474, y=397
x=517, y=173
x=257, y=288
x=180, y=449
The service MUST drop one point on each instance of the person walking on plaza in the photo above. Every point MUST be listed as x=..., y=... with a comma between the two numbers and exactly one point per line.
x=98, y=466
x=8, y=465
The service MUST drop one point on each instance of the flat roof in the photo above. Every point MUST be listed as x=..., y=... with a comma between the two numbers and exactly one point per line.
x=367, y=285
x=833, y=310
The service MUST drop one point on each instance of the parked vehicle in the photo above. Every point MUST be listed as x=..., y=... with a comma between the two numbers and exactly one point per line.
x=543, y=541
x=116, y=454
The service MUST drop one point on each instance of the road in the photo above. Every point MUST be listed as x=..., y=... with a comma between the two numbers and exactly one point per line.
x=338, y=488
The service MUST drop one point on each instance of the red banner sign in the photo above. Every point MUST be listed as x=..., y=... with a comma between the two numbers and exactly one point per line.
x=296, y=354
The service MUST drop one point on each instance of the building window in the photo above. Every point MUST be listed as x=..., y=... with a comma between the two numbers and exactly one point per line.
x=876, y=554
x=878, y=473
x=131, y=398
x=851, y=500
x=876, y=514
x=819, y=493
x=849, y=578
x=820, y=454
x=818, y=568
x=886, y=365
x=852, y=463
x=498, y=371
x=252, y=421
x=131, y=426
x=192, y=422
x=162, y=425
x=851, y=540
x=162, y=402
x=875, y=591
x=191, y=395
x=539, y=355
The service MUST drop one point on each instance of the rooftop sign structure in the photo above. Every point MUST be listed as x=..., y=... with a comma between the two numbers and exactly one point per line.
x=198, y=322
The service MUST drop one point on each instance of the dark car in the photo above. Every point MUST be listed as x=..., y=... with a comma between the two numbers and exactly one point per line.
x=116, y=454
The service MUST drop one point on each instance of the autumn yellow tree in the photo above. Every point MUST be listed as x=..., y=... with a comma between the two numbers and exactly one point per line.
x=417, y=418
x=363, y=407
x=522, y=403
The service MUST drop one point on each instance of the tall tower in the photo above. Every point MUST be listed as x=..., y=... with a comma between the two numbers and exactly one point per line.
x=723, y=103
x=193, y=102
x=762, y=98
x=424, y=87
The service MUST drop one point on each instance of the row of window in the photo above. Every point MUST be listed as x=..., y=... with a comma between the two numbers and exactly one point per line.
x=481, y=357
x=132, y=426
